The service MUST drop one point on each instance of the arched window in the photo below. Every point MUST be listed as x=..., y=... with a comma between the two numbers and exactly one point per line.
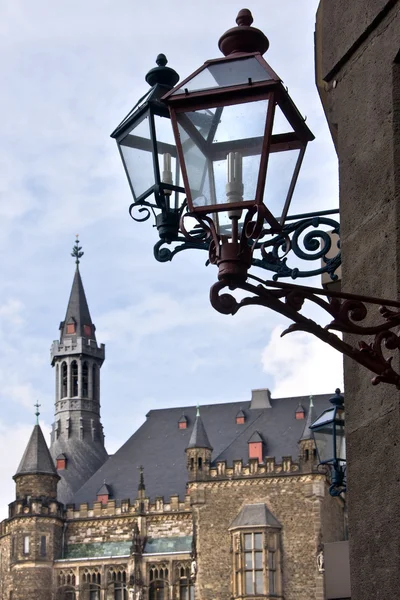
x=64, y=380
x=200, y=463
x=74, y=378
x=95, y=383
x=85, y=380
x=192, y=464
x=117, y=583
x=66, y=593
x=184, y=582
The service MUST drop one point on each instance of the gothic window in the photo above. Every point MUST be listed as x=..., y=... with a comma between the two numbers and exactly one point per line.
x=66, y=578
x=13, y=547
x=91, y=584
x=200, y=463
x=117, y=583
x=95, y=382
x=185, y=585
x=192, y=464
x=64, y=380
x=256, y=563
x=74, y=378
x=158, y=575
x=85, y=380
x=94, y=592
x=66, y=593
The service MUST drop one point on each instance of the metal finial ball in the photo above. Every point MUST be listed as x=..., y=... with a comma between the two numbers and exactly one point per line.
x=161, y=60
x=244, y=17
x=337, y=391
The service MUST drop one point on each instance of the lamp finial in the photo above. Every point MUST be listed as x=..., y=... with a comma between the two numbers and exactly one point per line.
x=244, y=38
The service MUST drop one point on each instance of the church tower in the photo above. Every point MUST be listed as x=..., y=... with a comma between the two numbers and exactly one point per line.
x=77, y=440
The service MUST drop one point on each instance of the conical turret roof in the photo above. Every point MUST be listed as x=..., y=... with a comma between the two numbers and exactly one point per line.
x=199, y=437
x=36, y=459
x=77, y=312
x=311, y=416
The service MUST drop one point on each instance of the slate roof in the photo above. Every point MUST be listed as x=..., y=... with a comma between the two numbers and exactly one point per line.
x=199, y=437
x=159, y=445
x=255, y=437
x=255, y=515
x=36, y=458
x=77, y=310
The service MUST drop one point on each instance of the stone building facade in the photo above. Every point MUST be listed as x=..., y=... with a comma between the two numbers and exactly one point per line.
x=229, y=503
x=358, y=78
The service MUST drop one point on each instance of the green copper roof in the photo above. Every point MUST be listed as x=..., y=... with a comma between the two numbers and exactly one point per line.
x=123, y=548
x=170, y=544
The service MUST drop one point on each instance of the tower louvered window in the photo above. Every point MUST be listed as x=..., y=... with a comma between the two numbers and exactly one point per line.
x=74, y=378
x=85, y=380
x=64, y=380
x=95, y=382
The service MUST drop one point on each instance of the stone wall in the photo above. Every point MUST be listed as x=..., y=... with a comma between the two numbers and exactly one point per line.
x=357, y=46
x=294, y=500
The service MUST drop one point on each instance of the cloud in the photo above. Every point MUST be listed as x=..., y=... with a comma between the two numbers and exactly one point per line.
x=300, y=364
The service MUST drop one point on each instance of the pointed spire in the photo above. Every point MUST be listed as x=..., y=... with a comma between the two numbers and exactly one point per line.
x=199, y=438
x=311, y=416
x=141, y=486
x=77, y=319
x=36, y=459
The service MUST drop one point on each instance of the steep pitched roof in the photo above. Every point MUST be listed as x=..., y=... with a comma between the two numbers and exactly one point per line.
x=255, y=515
x=199, y=437
x=311, y=416
x=105, y=490
x=159, y=445
x=36, y=458
x=77, y=310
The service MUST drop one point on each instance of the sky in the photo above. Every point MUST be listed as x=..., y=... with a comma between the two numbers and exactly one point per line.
x=70, y=72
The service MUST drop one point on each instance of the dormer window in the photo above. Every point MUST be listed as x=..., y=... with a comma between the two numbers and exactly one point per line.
x=300, y=412
x=240, y=418
x=256, y=447
x=71, y=327
x=87, y=330
x=61, y=462
x=183, y=422
x=104, y=493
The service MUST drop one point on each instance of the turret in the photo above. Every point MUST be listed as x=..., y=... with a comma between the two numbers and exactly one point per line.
x=77, y=440
x=307, y=449
x=36, y=522
x=198, y=451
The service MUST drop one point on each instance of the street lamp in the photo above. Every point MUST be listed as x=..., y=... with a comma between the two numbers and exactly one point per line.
x=239, y=144
x=329, y=437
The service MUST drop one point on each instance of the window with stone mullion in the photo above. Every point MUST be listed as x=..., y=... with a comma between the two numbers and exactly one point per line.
x=253, y=564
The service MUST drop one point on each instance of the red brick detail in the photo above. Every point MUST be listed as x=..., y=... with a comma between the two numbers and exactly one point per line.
x=103, y=498
x=71, y=328
x=300, y=415
x=182, y=425
x=61, y=464
x=87, y=330
x=239, y=420
x=255, y=450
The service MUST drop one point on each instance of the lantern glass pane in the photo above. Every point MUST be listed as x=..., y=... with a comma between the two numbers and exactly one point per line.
x=280, y=172
x=168, y=163
x=281, y=124
x=340, y=443
x=226, y=74
x=324, y=443
x=137, y=152
x=222, y=149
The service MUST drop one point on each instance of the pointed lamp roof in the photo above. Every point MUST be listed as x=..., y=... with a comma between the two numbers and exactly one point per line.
x=311, y=416
x=199, y=437
x=36, y=459
x=78, y=309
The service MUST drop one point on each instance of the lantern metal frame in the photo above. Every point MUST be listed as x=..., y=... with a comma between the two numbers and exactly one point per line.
x=270, y=89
